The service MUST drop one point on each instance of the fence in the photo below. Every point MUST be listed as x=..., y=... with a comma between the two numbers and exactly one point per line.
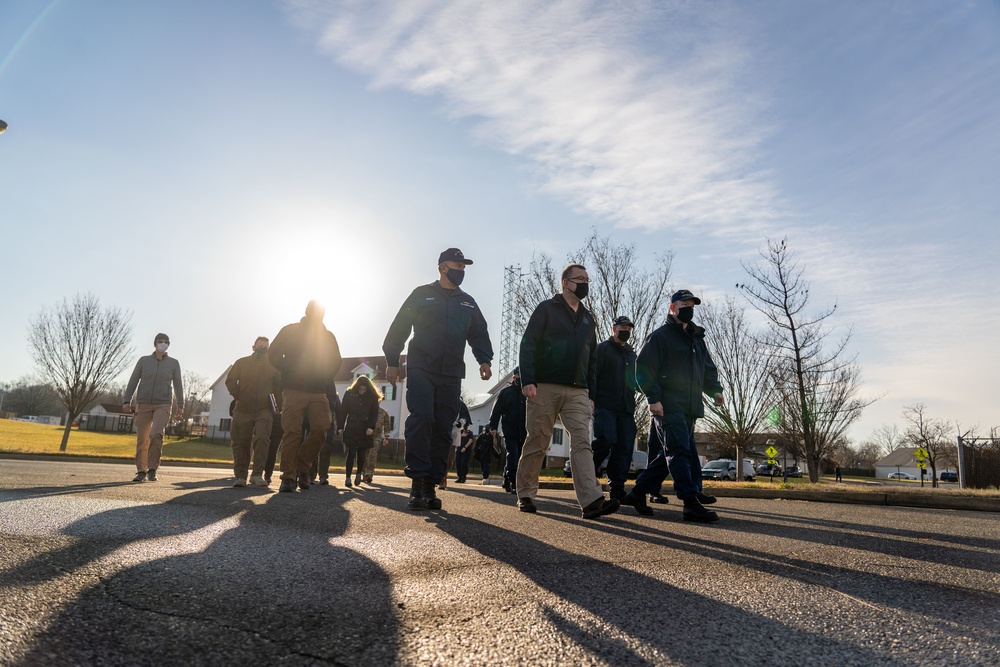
x=979, y=462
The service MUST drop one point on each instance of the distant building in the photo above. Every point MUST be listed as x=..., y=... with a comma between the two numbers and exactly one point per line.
x=107, y=418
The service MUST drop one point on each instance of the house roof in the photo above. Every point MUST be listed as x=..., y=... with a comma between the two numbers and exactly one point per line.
x=902, y=457
x=376, y=362
x=112, y=408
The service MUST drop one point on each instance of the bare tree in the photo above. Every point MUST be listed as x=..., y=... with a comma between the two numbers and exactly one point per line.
x=818, y=382
x=885, y=438
x=746, y=370
x=933, y=435
x=79, y=349
x=620, y=285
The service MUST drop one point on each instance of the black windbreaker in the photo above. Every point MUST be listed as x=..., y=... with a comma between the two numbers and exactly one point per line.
x=559, y=346
x=509, y=410
x=674, y=368
x=442, y=321
x=616, y=385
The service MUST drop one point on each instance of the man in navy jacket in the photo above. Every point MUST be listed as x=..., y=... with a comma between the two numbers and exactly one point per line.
x=508, y=412
x=614, y=405
x=442, y=318
x=673, y=370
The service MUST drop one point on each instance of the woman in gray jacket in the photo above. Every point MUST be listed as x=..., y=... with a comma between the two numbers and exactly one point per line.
x=147, y=395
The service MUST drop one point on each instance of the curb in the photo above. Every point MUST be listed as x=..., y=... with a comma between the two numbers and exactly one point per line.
x=903, y=499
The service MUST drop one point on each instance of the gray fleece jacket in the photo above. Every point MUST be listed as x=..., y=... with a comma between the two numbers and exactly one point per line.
x=153, y=377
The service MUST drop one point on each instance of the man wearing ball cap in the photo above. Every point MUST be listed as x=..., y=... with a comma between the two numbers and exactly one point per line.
x=673, y=370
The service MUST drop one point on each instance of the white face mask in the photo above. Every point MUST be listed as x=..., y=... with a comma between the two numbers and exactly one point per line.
x=162, y=347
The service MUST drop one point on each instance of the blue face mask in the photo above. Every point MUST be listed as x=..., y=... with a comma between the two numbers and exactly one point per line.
x=456, y=276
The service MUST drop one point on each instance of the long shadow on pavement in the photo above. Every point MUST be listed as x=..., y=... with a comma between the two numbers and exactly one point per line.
x=260, y=582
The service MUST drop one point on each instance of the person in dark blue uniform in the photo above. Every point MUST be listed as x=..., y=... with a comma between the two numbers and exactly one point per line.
x=614, y=406
x=508, y=412
x=674, y=369
x=442, y=319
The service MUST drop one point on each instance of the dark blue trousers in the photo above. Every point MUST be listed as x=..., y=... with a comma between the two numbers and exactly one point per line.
x=678, y=456
x=433, y=401
x=462, y=463
x=614, y=439
x=513, y=446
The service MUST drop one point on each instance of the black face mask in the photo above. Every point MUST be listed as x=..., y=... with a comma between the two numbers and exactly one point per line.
x=623, y=335
x=516, y=382
x=260, y=351
x=582, y=290
x=685, y=314
x=456, y=276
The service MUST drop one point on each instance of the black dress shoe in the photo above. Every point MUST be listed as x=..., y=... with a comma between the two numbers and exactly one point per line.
x=151, y=475
x=600, y=507
x=658, y=498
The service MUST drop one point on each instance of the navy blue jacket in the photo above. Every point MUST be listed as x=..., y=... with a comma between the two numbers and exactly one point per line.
x=616, y=385
x=559, y=346
x=509, y=410
x=674, y=368
x=442, y=321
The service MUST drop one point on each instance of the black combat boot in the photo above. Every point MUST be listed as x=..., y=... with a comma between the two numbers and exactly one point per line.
x=417, y=499
x=430, y=494
x=695, y=511
x=637, y=500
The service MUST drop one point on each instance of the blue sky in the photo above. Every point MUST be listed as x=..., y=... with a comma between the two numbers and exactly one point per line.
x=213, y=166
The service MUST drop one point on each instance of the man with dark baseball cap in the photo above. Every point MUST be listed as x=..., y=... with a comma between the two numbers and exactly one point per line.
x=673, y=370
x=442, y=319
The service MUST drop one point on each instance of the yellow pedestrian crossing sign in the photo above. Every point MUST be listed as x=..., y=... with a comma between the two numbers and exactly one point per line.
x=771, y=452
x=921, y=453
x=921, y=465
x=771, y=462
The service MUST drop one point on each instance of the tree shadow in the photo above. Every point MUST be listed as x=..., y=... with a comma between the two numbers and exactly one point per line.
x=263, y=584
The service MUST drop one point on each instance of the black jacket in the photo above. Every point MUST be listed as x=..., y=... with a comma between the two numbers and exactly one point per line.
x=616, y=385
x=359, y=412
x=509, y=410
x=306, y=355
x=442, y=321
x=559, y=346
x=674, y=368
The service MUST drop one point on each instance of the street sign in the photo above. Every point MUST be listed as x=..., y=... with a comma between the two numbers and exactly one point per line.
x=921, y=465
x=772, y=462
x=771, y=453
x=921, y=453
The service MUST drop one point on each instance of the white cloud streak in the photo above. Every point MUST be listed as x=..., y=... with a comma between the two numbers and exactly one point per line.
x=654, y=134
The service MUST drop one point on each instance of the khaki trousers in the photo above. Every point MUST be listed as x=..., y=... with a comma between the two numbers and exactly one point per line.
x=150, y=421
x=298, y=455
x=251, y=434
x=572, y=406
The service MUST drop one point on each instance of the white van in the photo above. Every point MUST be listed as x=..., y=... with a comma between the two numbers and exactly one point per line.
x=726, y=469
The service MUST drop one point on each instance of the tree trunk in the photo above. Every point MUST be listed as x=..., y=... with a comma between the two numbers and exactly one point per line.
x=65, y=438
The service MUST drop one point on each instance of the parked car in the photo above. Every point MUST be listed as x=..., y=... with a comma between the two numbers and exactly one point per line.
x=726, y=469
x=949, y=476
x=901, y=475
x=793, y=471
x=769, y=470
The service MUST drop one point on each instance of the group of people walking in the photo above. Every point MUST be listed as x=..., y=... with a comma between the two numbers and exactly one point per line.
x=564, y=373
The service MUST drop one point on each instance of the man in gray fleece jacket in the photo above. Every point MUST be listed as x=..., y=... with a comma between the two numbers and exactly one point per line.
x=149, y=390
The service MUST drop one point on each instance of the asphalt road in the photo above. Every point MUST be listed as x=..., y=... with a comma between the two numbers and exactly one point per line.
x=189, y=571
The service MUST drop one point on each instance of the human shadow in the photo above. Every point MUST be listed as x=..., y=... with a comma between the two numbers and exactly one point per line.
x=232, y=578
x=862, y=585
x=637, y=619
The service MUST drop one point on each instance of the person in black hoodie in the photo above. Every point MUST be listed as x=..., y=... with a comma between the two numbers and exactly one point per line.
x=356, y=420
x=674, y=369
x=308, y=358
x=614, y=405
x=508, y=412
x=558, y=367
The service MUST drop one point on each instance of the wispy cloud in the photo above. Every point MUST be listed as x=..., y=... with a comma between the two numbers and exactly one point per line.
x=649, y=128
